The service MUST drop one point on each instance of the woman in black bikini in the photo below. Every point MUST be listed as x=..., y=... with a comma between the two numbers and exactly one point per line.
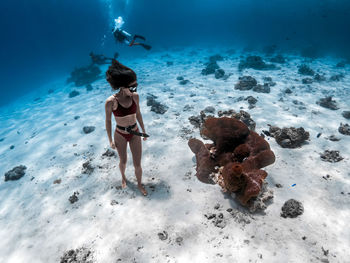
x=125, y=107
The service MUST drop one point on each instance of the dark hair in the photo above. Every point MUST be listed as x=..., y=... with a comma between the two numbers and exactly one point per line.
x=119, y=75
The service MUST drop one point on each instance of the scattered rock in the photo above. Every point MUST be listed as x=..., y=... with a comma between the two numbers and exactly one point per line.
x=156, y=106
x=219, y=73
x=288, y=91
x=289, y=137
x=328, y=103
x=262, y=88
x=319, y=77
x=215, y=58
x=341, y=64
x=179, y=240
x=252, y=101
x=346, y=114
x=292, y=208
x=333, y=138
x=80, y=255
x=305, y=70
x=260, y=202
x=209, y=109
x=180, y=78
x=114, y=202
x=268, y=81
x=163, y=235
x=15, y=173
x=210, y=68
x=344, y=129
x=88, y=129
x=331, y=156
x=50, y=91
x=278, y=59
x=74, y=198
x=84, y=75
x=246, y=83
x=278, y=185
x=108, y=153
x=169, y=63
x=57, y=181
x=195, y=121
x=74, y=93
x=184, y=82
x=337, y=77
x=255, y=62
x=76, y=117
x=88, y=87
x=307, y=81
x=188, y=108
x=87, y=168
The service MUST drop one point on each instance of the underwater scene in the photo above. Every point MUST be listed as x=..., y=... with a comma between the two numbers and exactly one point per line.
x=175, y=131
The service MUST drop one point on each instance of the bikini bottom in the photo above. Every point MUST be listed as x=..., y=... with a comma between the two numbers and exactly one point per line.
x=127, y=136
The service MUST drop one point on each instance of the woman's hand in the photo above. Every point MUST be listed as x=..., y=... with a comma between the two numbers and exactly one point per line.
x=112, y=145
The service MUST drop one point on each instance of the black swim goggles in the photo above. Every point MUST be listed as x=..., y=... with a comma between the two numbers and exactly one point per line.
x=133, y=88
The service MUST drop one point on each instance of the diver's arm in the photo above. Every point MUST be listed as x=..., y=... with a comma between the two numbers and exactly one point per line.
x=108, y=110
x=138, y=113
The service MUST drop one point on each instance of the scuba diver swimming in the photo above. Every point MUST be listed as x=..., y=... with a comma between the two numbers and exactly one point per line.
x=122, y=36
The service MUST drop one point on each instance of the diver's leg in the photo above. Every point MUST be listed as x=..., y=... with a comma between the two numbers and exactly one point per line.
x=120, y=143
x=136, y=150
x=138, y=36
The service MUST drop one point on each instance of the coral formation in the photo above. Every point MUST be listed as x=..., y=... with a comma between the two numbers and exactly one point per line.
x=289, y=137
x=84, y=75
x=328, y=103
x=255, y=62
x=15, y=173
x=240, y=154
x=292, y=208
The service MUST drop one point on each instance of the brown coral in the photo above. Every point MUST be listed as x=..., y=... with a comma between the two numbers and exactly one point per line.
x=239, y=151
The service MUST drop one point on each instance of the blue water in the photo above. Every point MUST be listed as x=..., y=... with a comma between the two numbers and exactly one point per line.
x=45, y=40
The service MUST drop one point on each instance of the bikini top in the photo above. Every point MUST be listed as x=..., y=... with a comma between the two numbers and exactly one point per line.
x=121, y=111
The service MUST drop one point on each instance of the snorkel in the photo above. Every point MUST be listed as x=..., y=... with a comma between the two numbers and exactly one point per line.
x=119, y=22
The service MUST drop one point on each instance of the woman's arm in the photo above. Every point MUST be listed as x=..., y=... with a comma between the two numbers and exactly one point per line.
x=108, y=109
x=138, y=113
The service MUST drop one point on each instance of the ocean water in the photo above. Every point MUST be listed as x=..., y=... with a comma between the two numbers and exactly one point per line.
x=45, y=40
x=69, y=202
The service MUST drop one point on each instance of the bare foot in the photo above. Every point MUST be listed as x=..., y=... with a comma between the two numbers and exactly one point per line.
x=142, y=190
x=123, y=183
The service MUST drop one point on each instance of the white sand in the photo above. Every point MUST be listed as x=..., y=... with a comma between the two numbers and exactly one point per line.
x=38, y=223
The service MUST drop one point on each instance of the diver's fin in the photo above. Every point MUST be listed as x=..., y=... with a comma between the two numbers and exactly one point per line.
x=146, y=46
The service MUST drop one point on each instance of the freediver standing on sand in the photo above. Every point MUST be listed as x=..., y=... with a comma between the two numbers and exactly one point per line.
x=125, y=107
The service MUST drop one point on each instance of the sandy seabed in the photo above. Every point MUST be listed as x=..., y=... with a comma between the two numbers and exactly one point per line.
x=38, y=223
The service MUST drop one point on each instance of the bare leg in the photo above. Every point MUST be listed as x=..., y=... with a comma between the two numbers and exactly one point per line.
x=121, y=143
x=136, y=150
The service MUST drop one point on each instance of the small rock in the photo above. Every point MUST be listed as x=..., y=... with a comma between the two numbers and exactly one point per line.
x=15, y=173
x=305, y=70
x=74, y=93
x=74, y=198
x=331, y=156
x=163, y=235
x=88, y=87
x=328, y=103
x=292, y=208
x=344, y=129
x=88, y=129
x=57, y=181
x=346, y=114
